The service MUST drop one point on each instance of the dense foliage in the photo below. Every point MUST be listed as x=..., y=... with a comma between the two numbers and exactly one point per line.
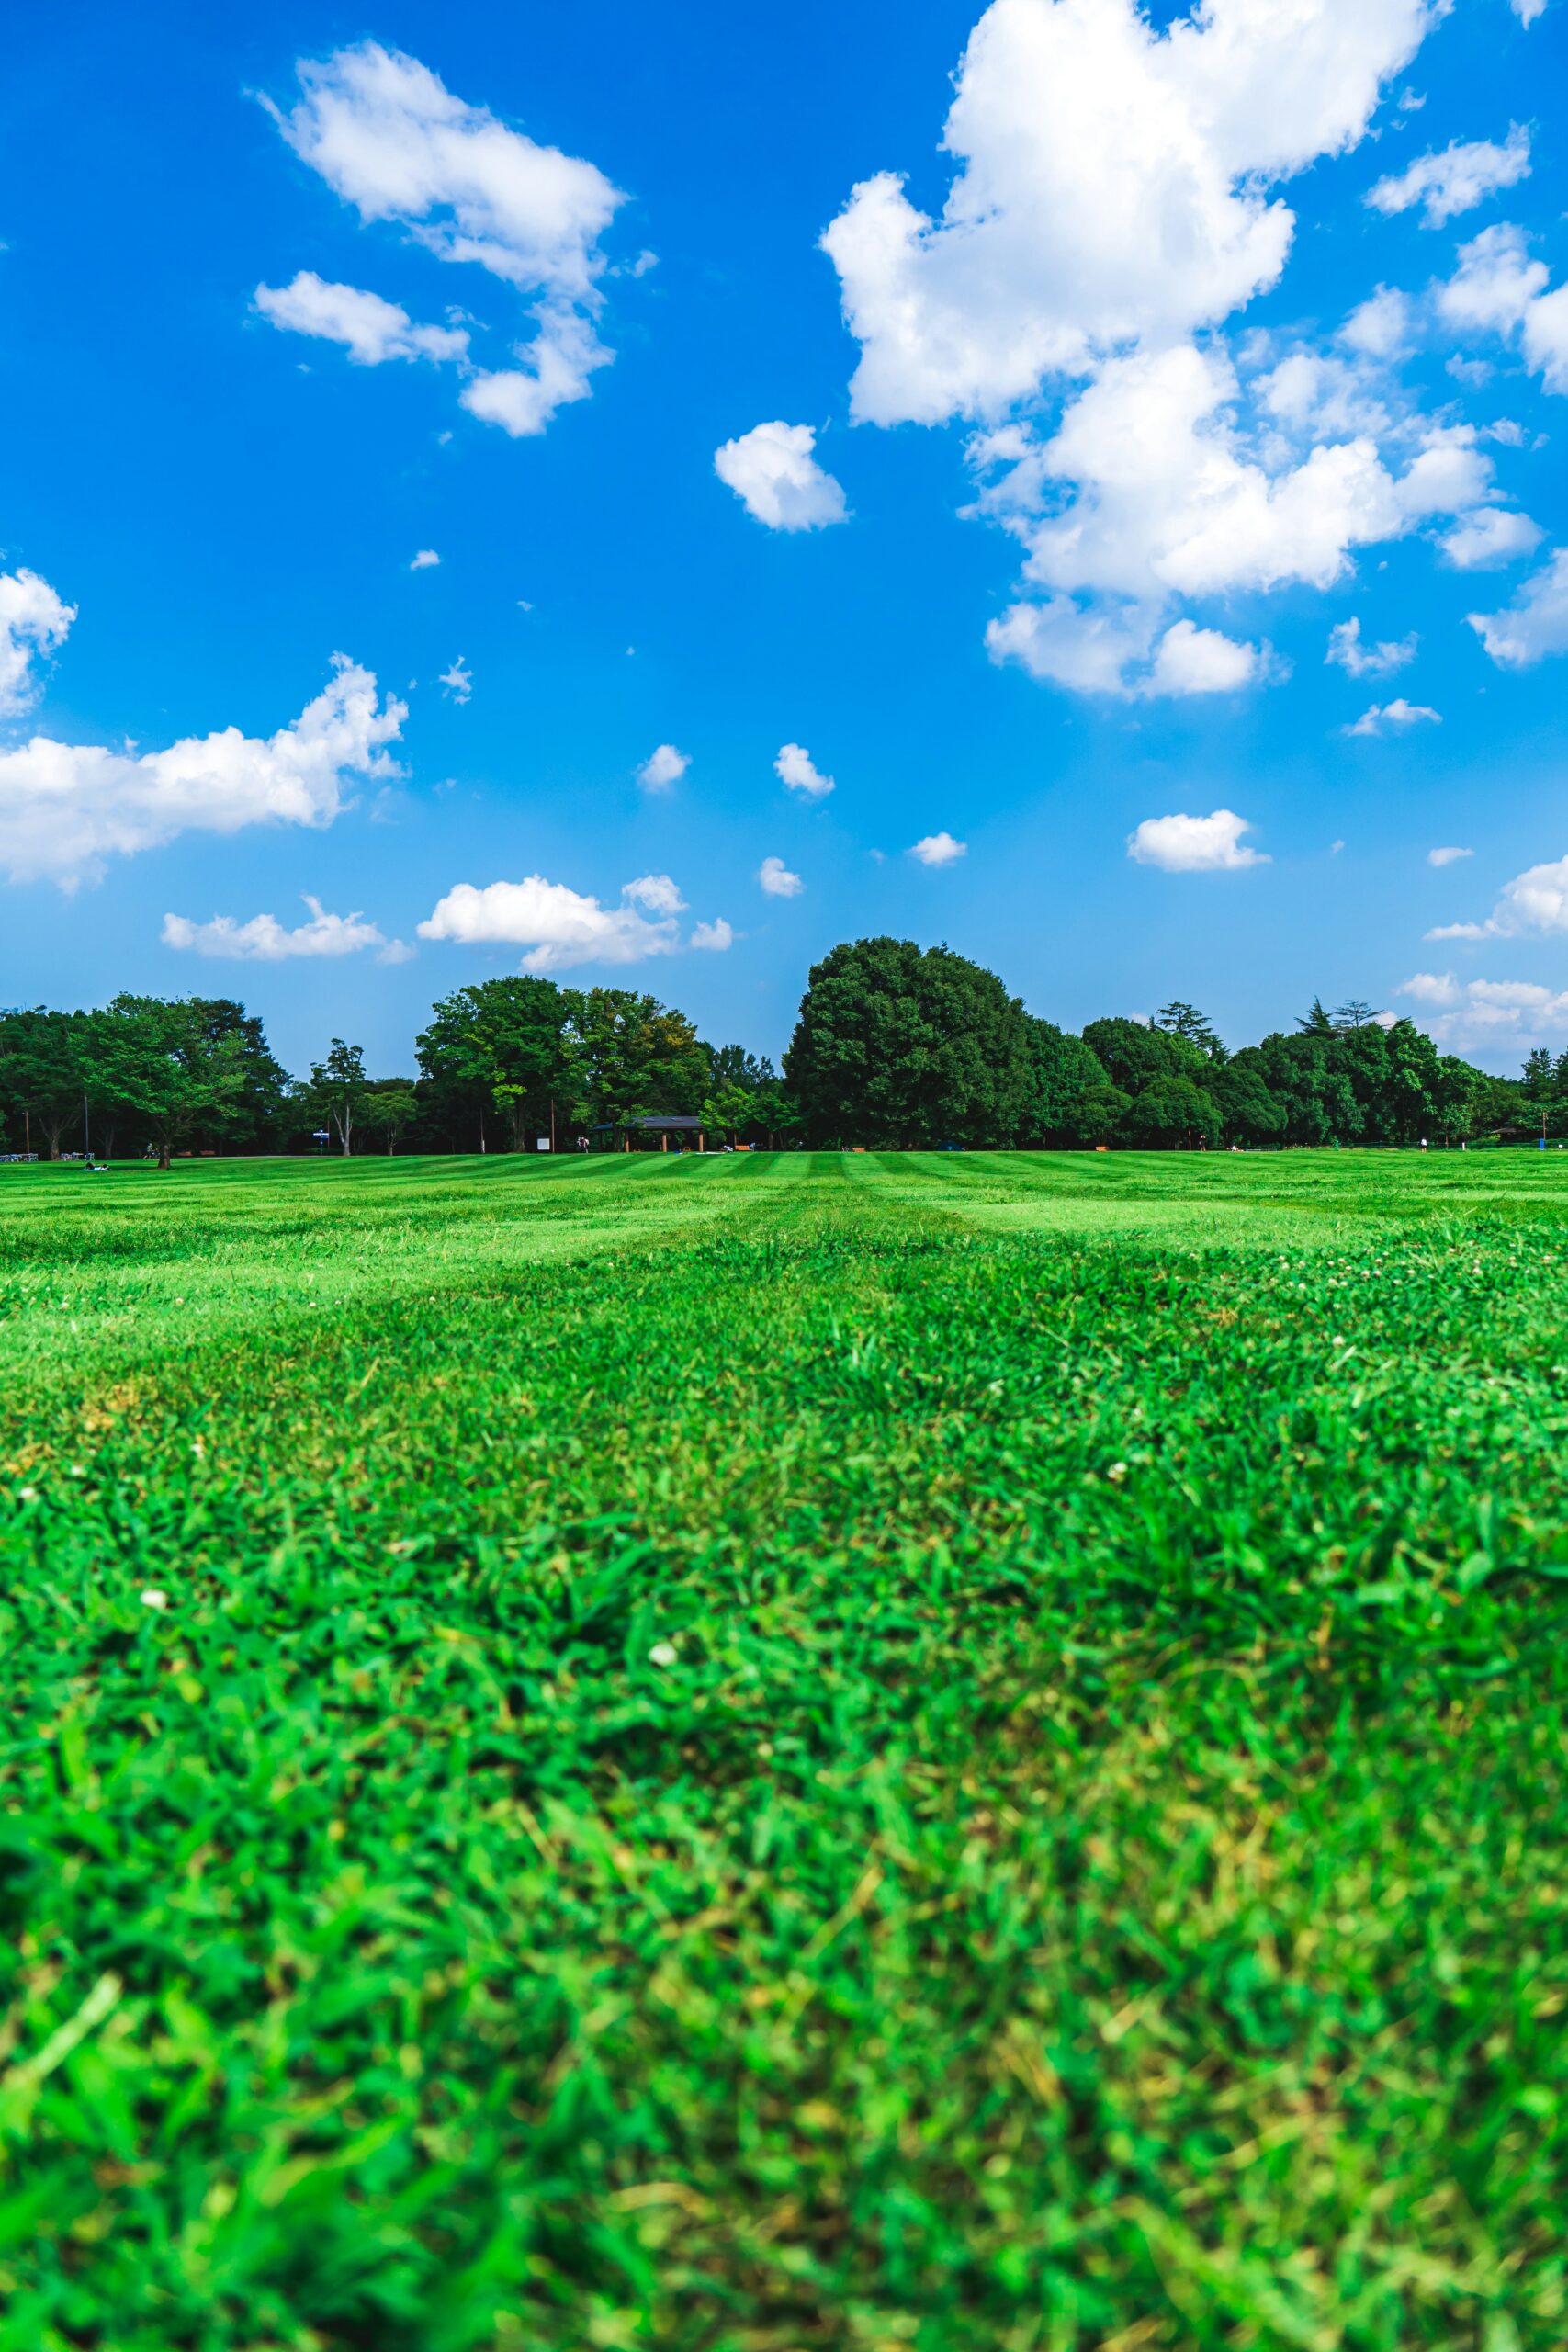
x=789, y=1752
x=895, y=1045
x=904, y=1046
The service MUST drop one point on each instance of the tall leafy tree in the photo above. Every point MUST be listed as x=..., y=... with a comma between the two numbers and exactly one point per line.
x=1173, y=1111
x=775, y=1113
x=747, y=1098
x=730, y=1109
x=158, y=1063
x=44, y=1073
x=1537, y=1082
x=1247, y=1108
x=1132, y=1054
x=261, y=1107
x=1179, y=1019
x=509, y=1042
x=1071, y=1099
x=636, y=1058
x=337, y=1087
x=387, y=1110
x=734, y=1066
x=899, y=1045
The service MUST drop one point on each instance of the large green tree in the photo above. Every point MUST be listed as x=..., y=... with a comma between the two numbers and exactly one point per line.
x=261, y=1106
x=44, y=1074
x=636, y=1058
x=896, y=1044
x=1181, y=1019
x=1071, y=1099
x=1172, y=1112
x=1247, y=1108
x=336, y=1089
x=159, y=1064
x=1134, y=1054
x=511, y=1042
x=388, y=1110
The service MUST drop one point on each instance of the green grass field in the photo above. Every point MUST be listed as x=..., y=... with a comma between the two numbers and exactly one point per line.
x=748, y=1754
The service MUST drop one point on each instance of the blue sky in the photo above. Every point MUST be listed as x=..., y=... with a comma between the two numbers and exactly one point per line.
x=1081, y=438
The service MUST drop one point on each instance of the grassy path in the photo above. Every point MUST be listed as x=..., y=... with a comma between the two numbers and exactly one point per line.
x=746, y=1754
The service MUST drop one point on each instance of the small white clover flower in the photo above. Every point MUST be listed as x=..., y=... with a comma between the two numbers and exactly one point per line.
x=26, y=1494
x=1117, y=1471
x=154, y=1599
x=663, y=1654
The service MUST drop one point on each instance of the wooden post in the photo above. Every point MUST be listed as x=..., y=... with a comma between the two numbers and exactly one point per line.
x=663, y=1140
x=701, y=1139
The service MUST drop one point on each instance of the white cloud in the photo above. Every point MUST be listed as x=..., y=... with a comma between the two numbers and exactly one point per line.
x=559, y=927
x=1448, y=857
x=1392, y=717
x=1182, y=845
x=1431, y=987
x=1465, y=1010
x=1534, y=624
x=424, y=560
x=458, y=681
x=1461, y=176
x=663, y=768
x=1319, y=396
x=1533, y=902
x=1346, y=648
x=938, y=849
x=1111, y=200
x=263, y=939
x=391, y=138
x=1109, y=183
x=717, y=935
x=1200, y=661
x=34, y=622
x=777, y=881
x=1487, y=537
x=370, y=329
x=65, y=806
x=557, y=364
x=1527, y=11
x=1379, y=327
x=1173, y=499
x=794, y=766
x=773, y=472
x=1498, y=289
x=655, y=892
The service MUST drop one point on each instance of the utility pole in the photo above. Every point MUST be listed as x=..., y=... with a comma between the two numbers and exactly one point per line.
x=27, y=1131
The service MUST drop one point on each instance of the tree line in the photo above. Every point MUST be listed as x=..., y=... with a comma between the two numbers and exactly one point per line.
x=502, y=1064
x=895, y=1046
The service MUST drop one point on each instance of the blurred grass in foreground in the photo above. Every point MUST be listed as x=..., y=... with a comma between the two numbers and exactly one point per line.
x=754, y=1754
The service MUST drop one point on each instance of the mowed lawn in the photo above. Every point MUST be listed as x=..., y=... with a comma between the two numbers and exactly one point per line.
x=746, y=1754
